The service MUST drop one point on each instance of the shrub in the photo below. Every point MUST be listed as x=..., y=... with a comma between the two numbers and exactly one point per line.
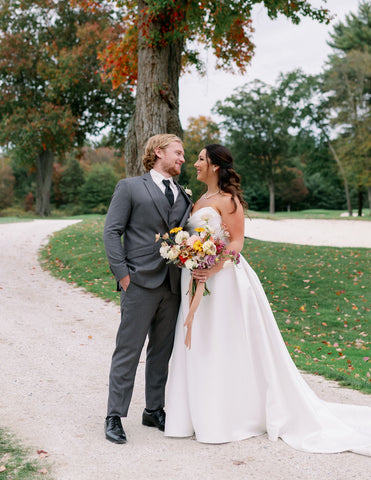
x=29, y=202
x=72, y=179
x=6, y=186
x=97, y=190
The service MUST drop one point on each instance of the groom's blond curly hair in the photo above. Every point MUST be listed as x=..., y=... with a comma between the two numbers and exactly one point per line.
x=162, y=141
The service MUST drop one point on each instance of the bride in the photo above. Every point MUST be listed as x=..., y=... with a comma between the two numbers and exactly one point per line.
x=238, y=380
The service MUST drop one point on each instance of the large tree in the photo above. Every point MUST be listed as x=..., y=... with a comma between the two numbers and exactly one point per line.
x=159, y=37
x=355, y=32
x=51, y=92
x=316, y=112
x=347, y=83
x=351, y=40
x=259, y=119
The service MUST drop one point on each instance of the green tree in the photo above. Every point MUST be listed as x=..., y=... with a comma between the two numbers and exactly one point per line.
x=72, y=179
x=310, y=152
x=24, y=180
x=258, y=120
x=96, y=192
x=201, y=131
x=291, y=187
x=315, y=112
x=346, y=82
x=51, y=94
x=355, y=32
x=6, y=183
x=166, y=35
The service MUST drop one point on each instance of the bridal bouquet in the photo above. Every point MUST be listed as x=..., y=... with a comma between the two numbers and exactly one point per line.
x=203, y=249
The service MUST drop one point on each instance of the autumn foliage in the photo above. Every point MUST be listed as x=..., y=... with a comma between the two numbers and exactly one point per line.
x=224, y=27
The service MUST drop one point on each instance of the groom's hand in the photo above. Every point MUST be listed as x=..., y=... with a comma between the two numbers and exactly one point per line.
x=124, y=282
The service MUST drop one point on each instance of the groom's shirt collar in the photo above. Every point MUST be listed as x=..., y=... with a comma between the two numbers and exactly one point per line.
x=158, y=177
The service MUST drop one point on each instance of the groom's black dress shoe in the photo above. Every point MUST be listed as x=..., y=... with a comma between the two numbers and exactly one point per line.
x=154, y=419
x=114, y=431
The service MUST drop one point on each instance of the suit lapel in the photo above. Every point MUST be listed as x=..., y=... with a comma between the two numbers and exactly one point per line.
x=159, y=200
x=188, y=201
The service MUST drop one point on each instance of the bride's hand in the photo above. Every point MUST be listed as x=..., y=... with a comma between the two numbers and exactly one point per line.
x=203, y=274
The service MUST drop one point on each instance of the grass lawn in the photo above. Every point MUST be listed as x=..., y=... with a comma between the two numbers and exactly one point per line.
x=320, y=296
x=16, y=463
x=14, y=219
x=313, y=214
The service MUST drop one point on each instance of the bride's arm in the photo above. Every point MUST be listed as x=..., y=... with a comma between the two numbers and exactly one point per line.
x=234, y=222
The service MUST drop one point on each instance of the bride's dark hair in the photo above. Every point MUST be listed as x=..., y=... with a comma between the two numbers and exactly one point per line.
x=229, y=180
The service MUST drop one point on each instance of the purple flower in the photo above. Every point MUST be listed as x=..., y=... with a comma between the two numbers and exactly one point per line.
x=209, y=260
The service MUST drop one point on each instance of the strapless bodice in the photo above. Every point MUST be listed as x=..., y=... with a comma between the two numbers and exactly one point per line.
x=205, y=216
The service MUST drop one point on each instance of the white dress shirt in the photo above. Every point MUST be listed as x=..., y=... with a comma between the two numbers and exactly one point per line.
x=158, y=177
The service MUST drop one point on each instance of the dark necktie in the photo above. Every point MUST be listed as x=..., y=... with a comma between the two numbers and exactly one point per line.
x=168, y=192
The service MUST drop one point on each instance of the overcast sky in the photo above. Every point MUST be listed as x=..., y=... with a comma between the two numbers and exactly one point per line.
x=280, y=47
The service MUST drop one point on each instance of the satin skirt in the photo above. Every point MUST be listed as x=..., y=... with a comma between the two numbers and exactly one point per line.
x=238, y=379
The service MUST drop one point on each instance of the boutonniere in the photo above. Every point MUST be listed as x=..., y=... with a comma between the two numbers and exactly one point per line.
x=188, y=191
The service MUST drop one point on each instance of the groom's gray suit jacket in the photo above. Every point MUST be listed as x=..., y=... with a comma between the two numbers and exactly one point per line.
x=137, y=212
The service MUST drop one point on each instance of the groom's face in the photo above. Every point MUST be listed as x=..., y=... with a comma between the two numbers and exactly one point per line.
x=170, y=159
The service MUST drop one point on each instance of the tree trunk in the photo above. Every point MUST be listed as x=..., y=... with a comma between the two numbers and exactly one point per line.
x=157, y=97
x=360, y=202
x=369, y=199
x=346, y=187
x=272, y=206
x=44, y=172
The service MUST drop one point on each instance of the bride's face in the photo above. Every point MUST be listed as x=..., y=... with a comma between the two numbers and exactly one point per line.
x=203, y=167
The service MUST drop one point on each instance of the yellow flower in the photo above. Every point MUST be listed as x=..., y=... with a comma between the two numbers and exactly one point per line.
x=176, y=230
x=197, y=246
x=199, y=229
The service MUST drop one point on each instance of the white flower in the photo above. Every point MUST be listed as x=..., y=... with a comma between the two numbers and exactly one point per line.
x=188, y=191
x=174, y=252
x=164, y=250
x=190, y=264
x=209, y=247
x=180, y=236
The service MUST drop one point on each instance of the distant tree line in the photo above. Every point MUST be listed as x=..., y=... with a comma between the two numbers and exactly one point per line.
x=82, y=183
x=306, y=141
x=301, y=143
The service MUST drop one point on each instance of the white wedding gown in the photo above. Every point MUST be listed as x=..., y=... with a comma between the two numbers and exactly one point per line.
x=238, y=379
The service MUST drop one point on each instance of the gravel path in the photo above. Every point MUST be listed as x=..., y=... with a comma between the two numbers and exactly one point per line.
x=56, y=342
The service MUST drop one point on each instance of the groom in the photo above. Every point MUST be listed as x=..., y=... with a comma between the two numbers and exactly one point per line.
x=150, y=288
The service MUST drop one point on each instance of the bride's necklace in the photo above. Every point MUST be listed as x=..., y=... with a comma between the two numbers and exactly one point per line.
x=206, y=197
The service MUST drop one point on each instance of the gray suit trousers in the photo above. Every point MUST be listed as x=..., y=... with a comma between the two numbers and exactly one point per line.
x=143, y=311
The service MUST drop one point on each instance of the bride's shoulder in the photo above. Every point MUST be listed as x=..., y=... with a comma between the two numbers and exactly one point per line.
x=227, y=205
x=225, y=200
